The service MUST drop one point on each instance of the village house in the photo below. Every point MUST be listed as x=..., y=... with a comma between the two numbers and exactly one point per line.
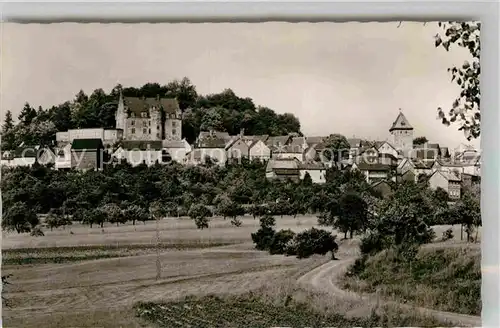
x=109, y=137
x=288, y=152
x=24, y=155
x=384, y=147
x=177, y=149
x=258, y=150
x=317, y=171
x=136, y=152
x=278, y=141
x=283, y=169
x=450, y=182
x=213, y=134
x=87, y=154
x=211, y=147
x=237, y=149
x=7, y=158
x=373, y=172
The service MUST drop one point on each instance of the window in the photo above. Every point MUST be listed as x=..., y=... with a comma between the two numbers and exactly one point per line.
x=158, y=135
x=132, y=122
x=149, y=123
x=174, y=131
x=144, y=131
x=149, y=131
x=173, y=124
x=157, y=127
x=132, y=131
x=144, y=123
x=132, y=115
x=144, y=114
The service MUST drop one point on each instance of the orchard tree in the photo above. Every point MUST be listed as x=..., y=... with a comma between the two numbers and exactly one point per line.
x=465, y=109
x=200, y=214
x=19, y=217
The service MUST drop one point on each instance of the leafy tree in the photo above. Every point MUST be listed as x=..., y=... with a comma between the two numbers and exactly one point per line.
x=114, y=213
x=465, y=110
x=184, y=91
x=420, y=141
x=19, y=217
x=337, y=148
x=56, y=219
x=314, y=241
x=263, y=238
x=352, y=214
x=281, y=241
x=200, y=214
x=467, y=211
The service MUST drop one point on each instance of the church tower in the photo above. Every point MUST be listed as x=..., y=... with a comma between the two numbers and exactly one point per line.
x=121, y=115
x=402, y=133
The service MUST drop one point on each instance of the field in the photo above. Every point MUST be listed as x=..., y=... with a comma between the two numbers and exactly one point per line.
x=93, y=277
x=102, y=292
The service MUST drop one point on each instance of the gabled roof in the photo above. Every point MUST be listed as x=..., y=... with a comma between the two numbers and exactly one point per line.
x=311, y=166
x=363, y=166
x=401, y=123
x=142, y=145
x=235, y=141
x=212, y=142
x=354, y=142
x=278, y=140
x=379, y=144
x=254, y=142
x=315, y=140
x=298, y=141
x=141, y=105
x=282, y=164
x=448, y=176
x=87, y=144
x=288, y=149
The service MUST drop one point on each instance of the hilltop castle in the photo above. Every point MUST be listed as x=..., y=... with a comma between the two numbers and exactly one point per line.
x=141, y=118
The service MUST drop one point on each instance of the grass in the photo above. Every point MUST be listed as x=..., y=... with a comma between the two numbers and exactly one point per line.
x=24, y=256
x=442, y=279
x=250, y=311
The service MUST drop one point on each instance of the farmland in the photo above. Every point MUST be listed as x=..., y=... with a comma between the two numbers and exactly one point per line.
x=96, y=277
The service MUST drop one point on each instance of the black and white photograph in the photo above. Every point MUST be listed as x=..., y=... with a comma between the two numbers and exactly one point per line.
x=226, y=175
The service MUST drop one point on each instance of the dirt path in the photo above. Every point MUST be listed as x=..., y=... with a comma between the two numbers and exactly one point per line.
x=325, y=279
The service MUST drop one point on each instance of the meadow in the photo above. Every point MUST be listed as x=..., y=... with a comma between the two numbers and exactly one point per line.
x=97, y=277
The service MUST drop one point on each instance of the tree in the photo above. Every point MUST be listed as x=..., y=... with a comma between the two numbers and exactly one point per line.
x=420, y=141
x=263, y=237
x=27, y=114
x=135, y=213
x=337, y=148
x=465, y=110
x=8, y=132
x=56, y=219
x=352, y=214
x=281, y=241
x=20, y=217
x=314, y=241
x=200, y=214
x=467, y=212
x=114, y=213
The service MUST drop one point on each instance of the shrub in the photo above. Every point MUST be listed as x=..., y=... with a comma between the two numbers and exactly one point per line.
x=281, y=241
x=314, y=241
x=264, y=236
x=447, y=235
x=37, y=232
x=374, y=243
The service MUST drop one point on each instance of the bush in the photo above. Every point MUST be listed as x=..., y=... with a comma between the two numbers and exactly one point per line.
x=37, y=232
x=281, y=241
x=447, y=235
x=374, y=243
x=314, y=241
x=263, y=238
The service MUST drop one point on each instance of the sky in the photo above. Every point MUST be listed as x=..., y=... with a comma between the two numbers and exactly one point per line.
x=347, y=78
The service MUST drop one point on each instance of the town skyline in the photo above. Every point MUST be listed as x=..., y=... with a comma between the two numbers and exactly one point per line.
x=379, y=69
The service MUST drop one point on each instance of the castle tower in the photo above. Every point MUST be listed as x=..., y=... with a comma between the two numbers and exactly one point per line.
x=121, y=115
x=173, y=119
x=402, y=133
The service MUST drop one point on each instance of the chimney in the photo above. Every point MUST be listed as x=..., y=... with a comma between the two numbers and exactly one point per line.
x=242, y=132
x=157, y=97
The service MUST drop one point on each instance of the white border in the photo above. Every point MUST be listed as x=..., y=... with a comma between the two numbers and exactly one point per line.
x=198, y=11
